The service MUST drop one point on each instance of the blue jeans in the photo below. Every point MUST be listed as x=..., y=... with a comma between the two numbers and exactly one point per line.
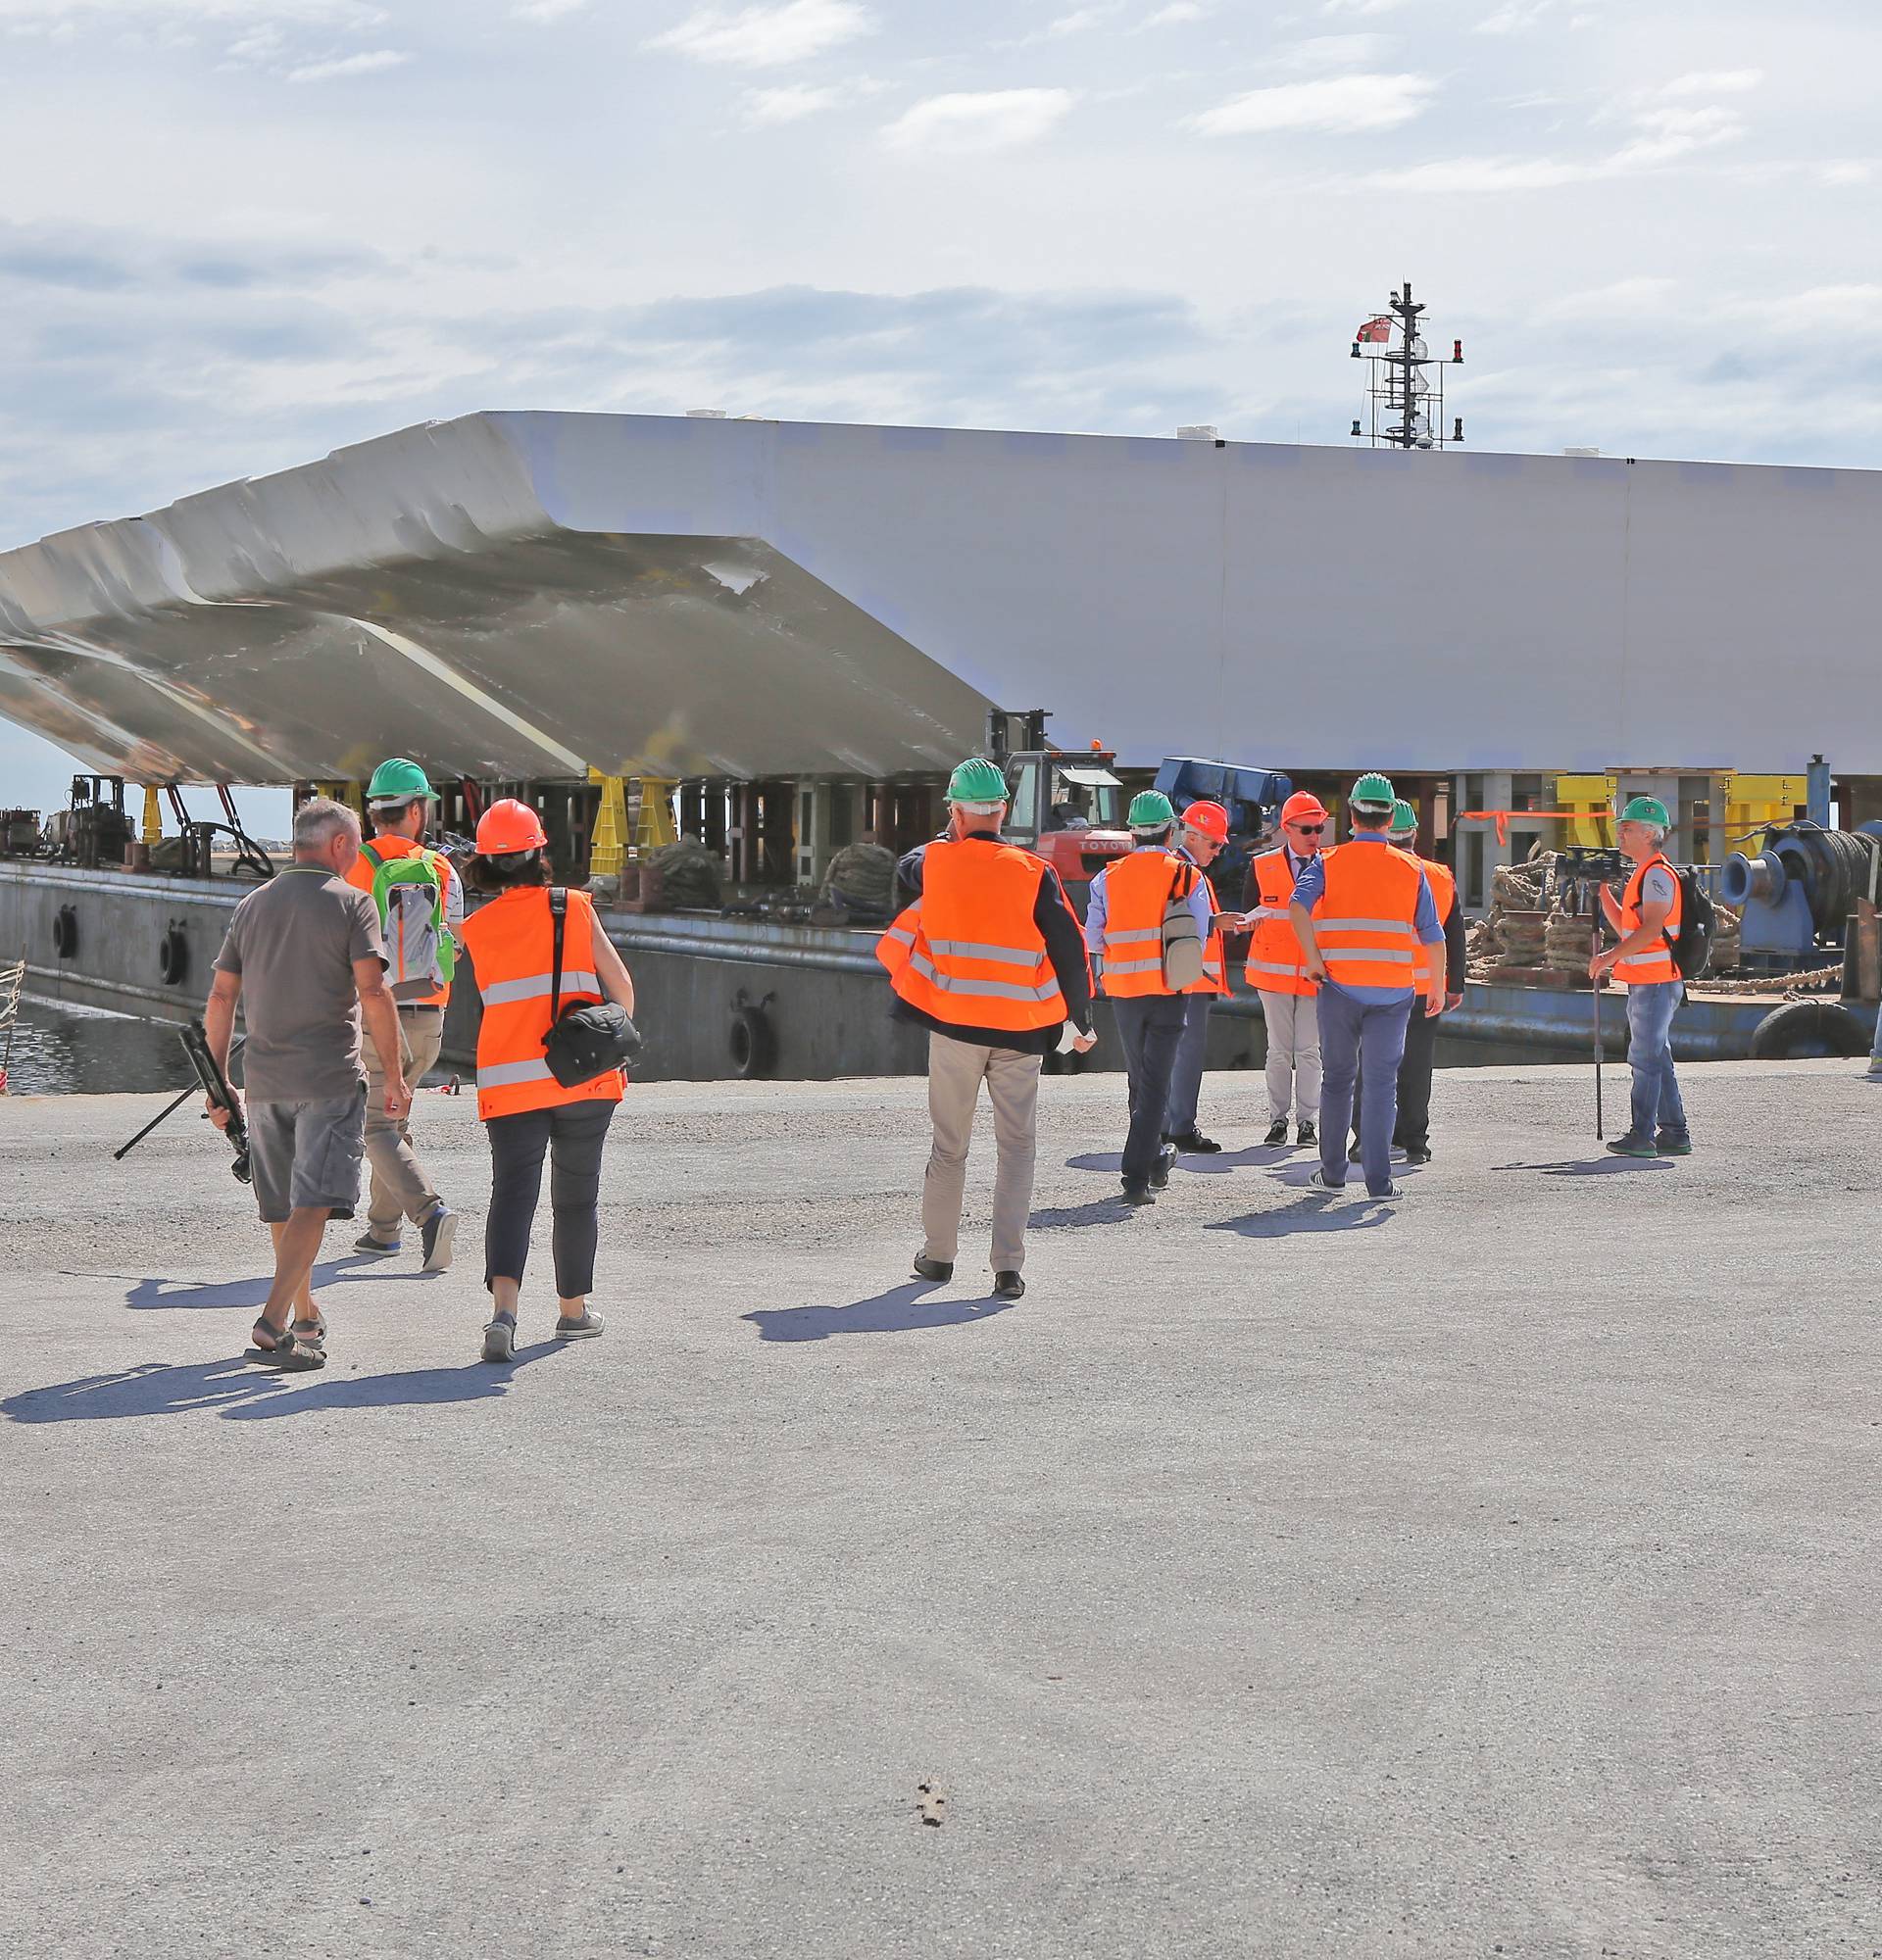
x=1875, y=1053
x=1657, y=1110
x=1349, y=1029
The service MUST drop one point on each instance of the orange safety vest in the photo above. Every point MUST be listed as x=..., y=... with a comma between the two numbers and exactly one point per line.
x=968, y=952
x=1137, y=891
x=511, y=942
x=361, y=876
x=1215, y=978
x=1433, y=960
x=1276, y=960
x=1654, y=963
x=1364, y=922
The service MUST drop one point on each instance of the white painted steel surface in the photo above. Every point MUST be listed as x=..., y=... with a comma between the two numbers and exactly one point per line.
x=529, y=594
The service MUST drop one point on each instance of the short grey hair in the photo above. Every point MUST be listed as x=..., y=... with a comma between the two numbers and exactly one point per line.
x=319, y=820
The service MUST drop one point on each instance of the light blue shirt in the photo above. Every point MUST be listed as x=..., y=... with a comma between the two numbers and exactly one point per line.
x=1310, y=888
x=1097, y=906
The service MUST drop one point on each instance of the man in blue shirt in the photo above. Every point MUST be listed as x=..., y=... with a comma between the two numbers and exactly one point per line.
x=1391, y=915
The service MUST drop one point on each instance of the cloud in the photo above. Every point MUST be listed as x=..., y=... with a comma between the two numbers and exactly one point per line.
x=768, y=36
x=1361, y=7
x=1847, y=171
x=1715, y=81
x=371, y=61
x=1324, y=51
x=1516, y=17
x=1342, y=106
x=767, y=106
x=547, y=10
x=1177, y=14
x=1001, y=119
x=40, y=14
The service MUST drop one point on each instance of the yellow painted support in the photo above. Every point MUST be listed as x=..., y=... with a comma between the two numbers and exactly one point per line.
x=608, y=847
x=153, y=815
x=656, y=822
x=1752, y=801
x=1592, y=799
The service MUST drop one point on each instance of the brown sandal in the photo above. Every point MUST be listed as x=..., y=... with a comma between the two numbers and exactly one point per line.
x=284, y=1349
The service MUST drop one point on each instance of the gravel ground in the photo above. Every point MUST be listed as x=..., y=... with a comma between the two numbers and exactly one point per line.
x=1494, y=1572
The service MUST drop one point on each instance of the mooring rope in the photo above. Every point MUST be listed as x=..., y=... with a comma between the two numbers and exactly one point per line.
x=12, y=979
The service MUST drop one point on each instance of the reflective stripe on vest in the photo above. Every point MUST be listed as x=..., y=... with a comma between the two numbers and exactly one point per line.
x=1434, y=960
x=968, y=952
x=1276, y=960
x=511, y=942
x=1364, y=922
x=541, y=987
x=1652, y=965
x=1137, y=889
x=1212, y=980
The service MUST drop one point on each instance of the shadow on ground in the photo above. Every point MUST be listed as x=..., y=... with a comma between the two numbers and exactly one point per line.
x=248, y=1391
x=1589, y=1166
x=902, y=1309
x=163, y=1292
x=1316, y=1213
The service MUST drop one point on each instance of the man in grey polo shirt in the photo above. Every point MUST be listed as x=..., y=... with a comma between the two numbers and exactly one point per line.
x=304, y=958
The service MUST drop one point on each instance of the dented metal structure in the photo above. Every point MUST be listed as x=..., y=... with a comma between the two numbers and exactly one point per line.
x=531, y=596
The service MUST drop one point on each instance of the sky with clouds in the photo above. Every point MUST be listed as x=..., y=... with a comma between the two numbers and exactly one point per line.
x=242, y=232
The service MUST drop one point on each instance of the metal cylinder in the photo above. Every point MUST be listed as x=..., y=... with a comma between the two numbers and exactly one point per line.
x=1742, y=879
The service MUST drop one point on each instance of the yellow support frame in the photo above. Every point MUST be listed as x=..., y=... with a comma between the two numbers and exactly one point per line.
x=608, y=846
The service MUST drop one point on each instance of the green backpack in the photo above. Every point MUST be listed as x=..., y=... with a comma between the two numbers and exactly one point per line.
x=409, y=893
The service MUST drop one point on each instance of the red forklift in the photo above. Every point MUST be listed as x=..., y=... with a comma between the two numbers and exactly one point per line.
x=1066, y=804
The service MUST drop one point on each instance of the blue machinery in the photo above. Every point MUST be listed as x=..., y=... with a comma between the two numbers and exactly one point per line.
x=1797, y=892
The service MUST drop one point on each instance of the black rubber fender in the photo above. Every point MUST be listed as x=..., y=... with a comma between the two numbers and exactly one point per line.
x=753, y=1043
x=64, y=932
x=172, y=956
x=1809, y=1027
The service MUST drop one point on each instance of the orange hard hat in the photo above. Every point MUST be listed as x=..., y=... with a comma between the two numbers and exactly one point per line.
x=508, y=826
x=1210, y=818
x=1303, y=806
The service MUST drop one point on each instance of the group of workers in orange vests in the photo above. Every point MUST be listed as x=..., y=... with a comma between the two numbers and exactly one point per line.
x=1350, y=949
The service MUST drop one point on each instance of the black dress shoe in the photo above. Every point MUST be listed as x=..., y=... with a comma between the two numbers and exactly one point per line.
x=940, y=1271
x=1419, y=1156
x=1138, y=1193
x=1277, y=1132
x=1306, y=1134
x=1352, y=1156
x=1007, y=1286
x=1165, y=1157
x=1191, y=1142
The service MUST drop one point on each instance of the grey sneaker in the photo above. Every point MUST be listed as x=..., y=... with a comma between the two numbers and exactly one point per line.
x=378, y=1247
x=584, y=1329
x=435, y=1237
x=500, y=1339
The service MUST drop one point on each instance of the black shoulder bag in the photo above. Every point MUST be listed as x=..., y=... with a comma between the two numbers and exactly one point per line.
x=593, y=1036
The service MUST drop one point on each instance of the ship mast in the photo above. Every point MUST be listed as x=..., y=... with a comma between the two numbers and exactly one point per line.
x=1404, y=391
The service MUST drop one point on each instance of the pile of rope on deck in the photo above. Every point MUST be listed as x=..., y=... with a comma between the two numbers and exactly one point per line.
x=12, y=979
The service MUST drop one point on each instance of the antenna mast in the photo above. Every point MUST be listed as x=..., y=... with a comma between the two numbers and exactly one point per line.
x=1404, y=391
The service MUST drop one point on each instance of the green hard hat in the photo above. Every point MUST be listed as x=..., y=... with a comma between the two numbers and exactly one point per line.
x=1405, y=820
x=1646, y=809
x=977, y=780
x=1374, y=791
x=1150, y=809
x=399, y=780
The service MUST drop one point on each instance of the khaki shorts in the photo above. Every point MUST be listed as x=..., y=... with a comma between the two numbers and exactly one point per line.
x=307, y=1154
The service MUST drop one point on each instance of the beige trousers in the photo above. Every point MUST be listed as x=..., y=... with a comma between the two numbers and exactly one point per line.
x=956, y=1071
x=1292, y=1054
x=400, y=1188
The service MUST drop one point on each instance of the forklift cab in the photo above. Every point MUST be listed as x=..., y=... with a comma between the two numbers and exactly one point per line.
x=1050, y=792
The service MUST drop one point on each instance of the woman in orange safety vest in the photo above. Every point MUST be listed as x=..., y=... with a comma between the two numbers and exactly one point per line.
x=527, y=1113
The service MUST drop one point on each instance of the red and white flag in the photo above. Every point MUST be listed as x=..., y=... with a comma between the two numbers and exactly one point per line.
x=1378, y=327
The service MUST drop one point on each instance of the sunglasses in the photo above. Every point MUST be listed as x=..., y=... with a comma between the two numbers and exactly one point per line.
x=1309, y=829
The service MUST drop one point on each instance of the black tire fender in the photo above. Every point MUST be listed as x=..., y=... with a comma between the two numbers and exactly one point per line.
x=1808, y=1028
x=64, y=932
x=172, y=956
x=752, y=1043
